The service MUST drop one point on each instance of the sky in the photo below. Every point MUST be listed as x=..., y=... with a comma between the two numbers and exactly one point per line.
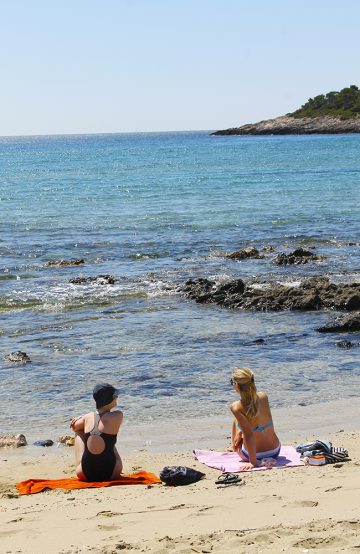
x=108, y=66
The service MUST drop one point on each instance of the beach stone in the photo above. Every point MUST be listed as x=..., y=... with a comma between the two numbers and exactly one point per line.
x=298, y=256
x=12, y=441
x=19, y=357
x=249, y=252
x=65, y=263
x=314, y=293
x=98, y=280
x=44, y=442
x=69, y=440
x=345, y=324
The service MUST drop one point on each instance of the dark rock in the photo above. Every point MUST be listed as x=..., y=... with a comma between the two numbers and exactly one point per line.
x=19, y=357
x=45, y=442
x=269, y=248
x=299, y=256
x=344, y=324
x=249, y=252
x=315, y=293
x=259, y=341
x=198, y=289
x=98, y=280
x=353, y=303
x=65, y=263
x=345, y=344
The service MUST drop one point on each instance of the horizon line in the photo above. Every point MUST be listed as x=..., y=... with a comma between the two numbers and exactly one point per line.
x=106, y=133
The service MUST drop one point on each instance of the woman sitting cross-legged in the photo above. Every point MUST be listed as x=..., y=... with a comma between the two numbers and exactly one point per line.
x=96, y=456
x=253, y=433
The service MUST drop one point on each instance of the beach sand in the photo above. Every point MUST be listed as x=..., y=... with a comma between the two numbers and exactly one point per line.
x=303, y=509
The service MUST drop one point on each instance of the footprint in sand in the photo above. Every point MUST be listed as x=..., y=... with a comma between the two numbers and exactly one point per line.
x=334, y=489
x=320, y=542
x=302, y=504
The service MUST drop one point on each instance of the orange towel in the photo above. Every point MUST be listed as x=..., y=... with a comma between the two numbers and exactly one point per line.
x=32, y=486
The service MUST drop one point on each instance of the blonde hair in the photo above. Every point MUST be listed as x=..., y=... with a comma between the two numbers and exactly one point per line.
x=244, y=378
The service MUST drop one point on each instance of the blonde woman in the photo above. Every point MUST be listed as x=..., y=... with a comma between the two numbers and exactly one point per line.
x=253, y=434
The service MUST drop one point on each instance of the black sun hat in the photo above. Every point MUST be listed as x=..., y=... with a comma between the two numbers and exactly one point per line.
x=104, y=394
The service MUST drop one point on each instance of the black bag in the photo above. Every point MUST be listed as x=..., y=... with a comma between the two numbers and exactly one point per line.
x=180, y=475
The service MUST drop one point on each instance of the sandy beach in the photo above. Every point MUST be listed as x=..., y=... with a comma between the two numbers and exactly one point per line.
x=302, y=509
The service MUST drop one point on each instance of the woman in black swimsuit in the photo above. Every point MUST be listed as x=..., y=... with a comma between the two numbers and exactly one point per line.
x=96, y=456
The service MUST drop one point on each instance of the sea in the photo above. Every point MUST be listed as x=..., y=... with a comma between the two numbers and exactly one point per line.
x=154, y=210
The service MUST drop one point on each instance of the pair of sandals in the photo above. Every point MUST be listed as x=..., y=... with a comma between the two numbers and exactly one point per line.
x=226, y=479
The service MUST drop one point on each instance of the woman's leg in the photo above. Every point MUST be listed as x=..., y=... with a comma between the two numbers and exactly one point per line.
x=118, y=466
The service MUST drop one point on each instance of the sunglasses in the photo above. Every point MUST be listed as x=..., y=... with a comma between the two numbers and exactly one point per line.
x=232, y=381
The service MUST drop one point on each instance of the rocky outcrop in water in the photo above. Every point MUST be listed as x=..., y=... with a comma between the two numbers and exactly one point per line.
x=298, y=256
x=98, y=280
x=314, y=293
x=287, y=125
x=12, y=441
x=249, y=252
x=346, y=324
x=65, y=263
x=18, y=357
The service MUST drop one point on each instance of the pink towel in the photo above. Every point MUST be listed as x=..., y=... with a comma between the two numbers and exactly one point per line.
x=230, y=461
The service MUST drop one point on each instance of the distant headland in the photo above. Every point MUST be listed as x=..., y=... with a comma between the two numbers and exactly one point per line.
x=331, y=113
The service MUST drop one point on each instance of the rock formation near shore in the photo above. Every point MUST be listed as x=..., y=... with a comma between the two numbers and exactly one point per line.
x=314, y=293
x=331, y=113
x=288, y=125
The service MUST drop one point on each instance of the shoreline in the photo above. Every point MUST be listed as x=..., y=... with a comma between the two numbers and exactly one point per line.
x=176, y=434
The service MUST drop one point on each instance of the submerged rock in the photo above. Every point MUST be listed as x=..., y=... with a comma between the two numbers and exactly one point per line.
x=19, y=357
x=345, y=344
x=348, y=323
x=97, y=280
x=315, y=293
x=299, y=256
x=249, y=252
x=65, y=263
x=12, y=441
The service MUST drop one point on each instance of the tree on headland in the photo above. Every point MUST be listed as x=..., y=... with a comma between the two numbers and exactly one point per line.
x=344, y=104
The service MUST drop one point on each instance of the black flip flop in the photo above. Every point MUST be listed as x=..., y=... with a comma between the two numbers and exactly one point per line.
x=228, y=479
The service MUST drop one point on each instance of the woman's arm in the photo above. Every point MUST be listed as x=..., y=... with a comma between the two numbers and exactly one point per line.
x=77, y=424
x=247, y=432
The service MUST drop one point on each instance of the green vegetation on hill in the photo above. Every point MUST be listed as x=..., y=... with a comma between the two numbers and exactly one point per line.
x=345, y=104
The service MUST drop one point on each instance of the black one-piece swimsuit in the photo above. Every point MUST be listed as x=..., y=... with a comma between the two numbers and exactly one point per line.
x=99, y=467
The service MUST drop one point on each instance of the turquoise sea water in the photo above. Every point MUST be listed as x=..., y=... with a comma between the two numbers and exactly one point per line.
x=154, y=210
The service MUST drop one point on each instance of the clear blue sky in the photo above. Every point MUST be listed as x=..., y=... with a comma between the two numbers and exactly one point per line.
x=76, y=66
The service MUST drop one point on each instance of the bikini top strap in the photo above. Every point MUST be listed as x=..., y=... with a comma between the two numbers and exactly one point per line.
x=95, y=430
